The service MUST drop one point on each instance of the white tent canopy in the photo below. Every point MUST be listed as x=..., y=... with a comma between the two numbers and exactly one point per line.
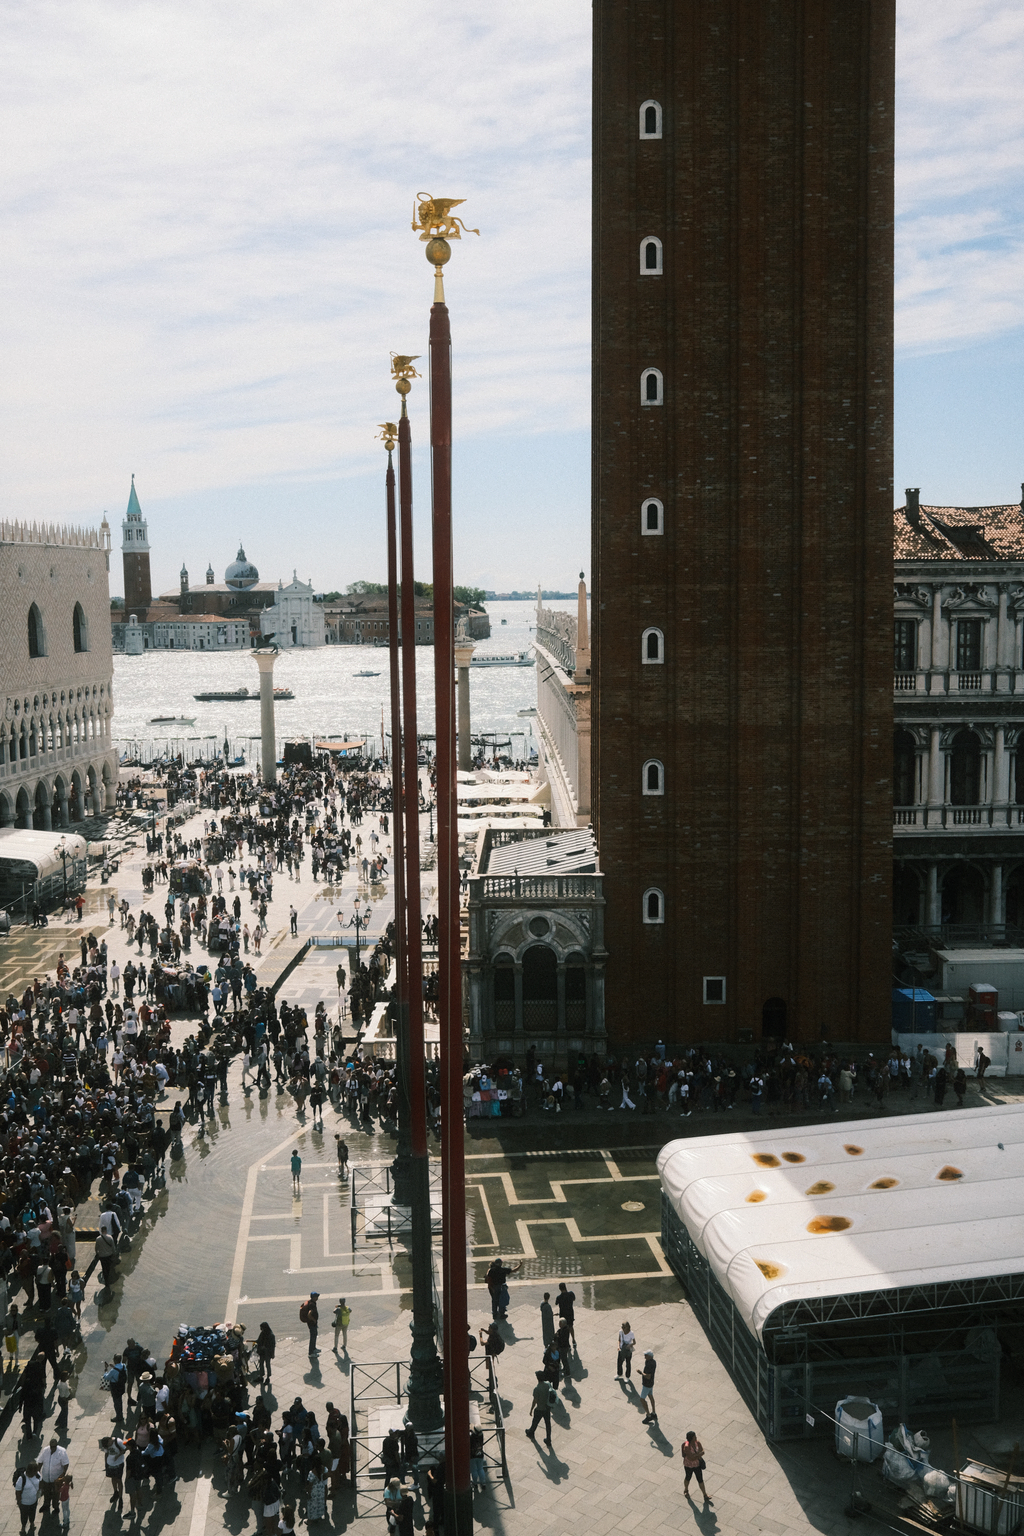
x=785, y=1215
x=23, y=846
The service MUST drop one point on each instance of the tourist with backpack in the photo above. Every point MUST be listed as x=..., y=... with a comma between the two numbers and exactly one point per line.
x=309, y=1314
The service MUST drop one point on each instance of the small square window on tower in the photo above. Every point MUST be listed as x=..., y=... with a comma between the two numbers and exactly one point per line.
x=714, y=989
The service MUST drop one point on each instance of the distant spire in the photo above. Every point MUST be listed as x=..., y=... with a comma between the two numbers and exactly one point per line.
x=134, y=510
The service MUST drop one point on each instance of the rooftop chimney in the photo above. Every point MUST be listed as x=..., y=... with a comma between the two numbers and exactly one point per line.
x=913, y=495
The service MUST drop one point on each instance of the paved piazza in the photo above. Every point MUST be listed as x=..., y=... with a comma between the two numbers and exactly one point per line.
x=228, y=1240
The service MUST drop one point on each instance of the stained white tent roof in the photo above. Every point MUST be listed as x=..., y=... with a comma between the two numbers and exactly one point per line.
x=909, y=1200
x=23, y=845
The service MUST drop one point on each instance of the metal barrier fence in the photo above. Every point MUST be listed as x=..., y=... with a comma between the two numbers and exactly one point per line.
x=383, y=1384
x=373, y=1215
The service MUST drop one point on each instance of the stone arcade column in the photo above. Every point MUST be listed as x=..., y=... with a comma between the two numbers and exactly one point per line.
x=463, y=656
x=264, y=659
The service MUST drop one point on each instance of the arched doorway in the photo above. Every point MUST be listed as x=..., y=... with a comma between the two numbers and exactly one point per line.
x=6, y=810
x=906, y=897
x=504, y=993
x=1015, y=898
x=773, y=1019
x=575, y=992
x=963, y=896
x=540, y=989
x=24, y=817
x=41, y=811
x=965, y=769
x=904, y=768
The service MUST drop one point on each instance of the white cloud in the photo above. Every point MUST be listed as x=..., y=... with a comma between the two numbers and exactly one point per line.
x=208, y=253
x=960, y=172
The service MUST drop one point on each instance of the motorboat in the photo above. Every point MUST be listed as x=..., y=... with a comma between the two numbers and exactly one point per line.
x=171, y=720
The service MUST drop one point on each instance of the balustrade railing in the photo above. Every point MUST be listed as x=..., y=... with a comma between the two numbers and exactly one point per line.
x=904, y=682
x=969, y=682
x=536, y=887
x=930, y=817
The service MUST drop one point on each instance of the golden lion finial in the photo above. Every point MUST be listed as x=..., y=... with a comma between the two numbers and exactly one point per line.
x=434, y=217
x=402, y=367
x=388, y=434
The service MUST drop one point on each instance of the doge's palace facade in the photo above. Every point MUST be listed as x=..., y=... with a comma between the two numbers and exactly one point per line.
x=57, y=761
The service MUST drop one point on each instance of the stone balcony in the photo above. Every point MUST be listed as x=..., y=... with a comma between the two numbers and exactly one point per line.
x=959, y=818
x=929, y=684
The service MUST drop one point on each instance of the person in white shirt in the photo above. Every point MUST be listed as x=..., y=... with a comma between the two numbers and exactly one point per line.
x=53, y=1463
x=627, y=1343
x=26, y=1493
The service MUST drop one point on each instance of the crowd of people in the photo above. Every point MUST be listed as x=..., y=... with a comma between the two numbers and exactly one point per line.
x=785, y=1080
x=287, y=1471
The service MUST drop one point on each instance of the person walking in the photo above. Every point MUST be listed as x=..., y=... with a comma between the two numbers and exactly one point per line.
x=26, y=1494
x=547, y=1321
x=296, y=1172
x=53, y=1463
x=64, y=1500
x=627, y=1343
x=116, y=1377
x=477, y=1465
x=694, y=1464
x=310, y=1315
x=64, y=1396
x=647, y=1386
x=113, y=1467
x=293, y=919
x=342, y=1157
x=565, y=1301
x=542, y=1394
x=266, y=1348
x=342, y=1318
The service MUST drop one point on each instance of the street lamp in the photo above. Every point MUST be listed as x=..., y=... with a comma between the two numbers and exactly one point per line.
x=360, y=921
x=61, y=852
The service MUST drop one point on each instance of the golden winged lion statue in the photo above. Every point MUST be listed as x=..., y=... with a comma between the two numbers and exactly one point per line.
x=435, y=218
x=402, y=366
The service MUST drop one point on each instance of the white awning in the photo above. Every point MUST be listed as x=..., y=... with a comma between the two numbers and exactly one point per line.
x=21, y=845
x=853, y=1206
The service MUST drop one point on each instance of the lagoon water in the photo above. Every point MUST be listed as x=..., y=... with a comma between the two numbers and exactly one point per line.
x=330, y=700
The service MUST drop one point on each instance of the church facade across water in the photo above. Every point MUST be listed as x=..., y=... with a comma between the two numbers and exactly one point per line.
x=234, y=614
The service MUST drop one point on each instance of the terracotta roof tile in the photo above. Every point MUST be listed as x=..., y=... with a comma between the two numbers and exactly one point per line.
x=961, y=533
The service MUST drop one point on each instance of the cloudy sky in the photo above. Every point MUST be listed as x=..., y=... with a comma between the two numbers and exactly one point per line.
x=207, y=259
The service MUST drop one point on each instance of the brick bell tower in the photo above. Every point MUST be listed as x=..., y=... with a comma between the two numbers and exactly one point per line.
x=138, y=590
x=742, y=506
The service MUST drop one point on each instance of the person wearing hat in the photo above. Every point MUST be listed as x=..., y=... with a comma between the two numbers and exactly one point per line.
x=311, y=1318
x=146, y=1395
x=647, y=1386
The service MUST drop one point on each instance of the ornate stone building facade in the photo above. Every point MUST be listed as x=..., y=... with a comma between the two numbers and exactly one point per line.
x=562, y=645
x=57, y=762
x=958, y=745
x=534, y=972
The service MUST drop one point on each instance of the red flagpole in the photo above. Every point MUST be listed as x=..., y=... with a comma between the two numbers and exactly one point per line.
x=424, y=1401
x=401, y=1021
x=459, y=1498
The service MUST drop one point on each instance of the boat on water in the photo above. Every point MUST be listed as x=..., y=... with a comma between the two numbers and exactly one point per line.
x=236, y=695
x=367, y=674
x=512, y=659
x=171, y=720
